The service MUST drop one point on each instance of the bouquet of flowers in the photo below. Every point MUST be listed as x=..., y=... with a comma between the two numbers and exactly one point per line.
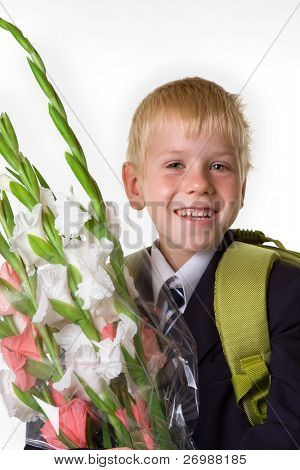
x=84, y=352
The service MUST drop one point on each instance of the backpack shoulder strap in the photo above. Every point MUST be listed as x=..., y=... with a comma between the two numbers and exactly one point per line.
x=241, y=318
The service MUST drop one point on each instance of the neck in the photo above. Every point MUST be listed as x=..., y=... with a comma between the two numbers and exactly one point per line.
x=177, y=257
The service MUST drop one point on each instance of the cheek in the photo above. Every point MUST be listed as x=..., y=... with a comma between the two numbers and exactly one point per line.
x=159, y=190
x=231, y=189
x=159, y=198
x=232, y=197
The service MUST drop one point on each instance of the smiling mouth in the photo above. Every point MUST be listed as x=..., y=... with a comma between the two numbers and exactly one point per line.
x=196, y=215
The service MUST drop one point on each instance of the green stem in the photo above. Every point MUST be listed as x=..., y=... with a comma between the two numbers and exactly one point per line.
x=46, y=394
x=52, y=349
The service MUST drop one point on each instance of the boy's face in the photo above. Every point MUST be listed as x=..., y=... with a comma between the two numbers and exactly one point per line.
x=203, y=173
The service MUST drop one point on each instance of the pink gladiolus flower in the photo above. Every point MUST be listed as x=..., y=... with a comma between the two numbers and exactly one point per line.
x=51, y=437
x=109, y=331
x=58, y=398
x=72, y=422
x=9, y=275
x=122, y=415
x=151, y=347
x=139, y=411
x=15, y=350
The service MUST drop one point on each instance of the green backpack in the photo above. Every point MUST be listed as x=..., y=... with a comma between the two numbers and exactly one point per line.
x=243, y=273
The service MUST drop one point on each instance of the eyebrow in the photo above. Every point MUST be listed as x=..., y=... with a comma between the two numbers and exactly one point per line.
x=171, y=152
x=182, y=152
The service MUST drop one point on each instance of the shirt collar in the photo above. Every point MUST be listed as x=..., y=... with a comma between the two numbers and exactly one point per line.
x=189, y=274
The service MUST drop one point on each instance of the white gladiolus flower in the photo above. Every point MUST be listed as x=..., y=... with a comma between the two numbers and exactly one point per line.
x=28, y=223
x=52, y=282
x=69, y=216
x=125, y=334
x=5, y=181
x=15, y=407
x=47, y=199
x=71, y=338
x=90, y=258
x=84, y=362
x=66, y=384
x=126, y=331
x=110, y=360
x=104, y=313
x=94, y=287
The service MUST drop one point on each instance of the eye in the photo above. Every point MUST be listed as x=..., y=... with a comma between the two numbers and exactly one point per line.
x=170, y=165
x=220, y=165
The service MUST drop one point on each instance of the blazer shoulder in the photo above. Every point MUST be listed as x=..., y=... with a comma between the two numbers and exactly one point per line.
x=283, y=296
x=134, y=261
x=283, y=273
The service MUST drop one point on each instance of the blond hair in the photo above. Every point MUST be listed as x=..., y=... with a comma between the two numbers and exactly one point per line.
x=201, y=105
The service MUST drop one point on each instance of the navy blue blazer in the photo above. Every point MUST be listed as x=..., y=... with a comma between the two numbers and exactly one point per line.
x=221, y=424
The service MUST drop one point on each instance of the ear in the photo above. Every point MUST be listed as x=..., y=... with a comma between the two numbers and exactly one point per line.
x=243, y=191
x=132, y=186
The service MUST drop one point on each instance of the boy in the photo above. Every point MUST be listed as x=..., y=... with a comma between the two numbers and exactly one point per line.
x=187, y=162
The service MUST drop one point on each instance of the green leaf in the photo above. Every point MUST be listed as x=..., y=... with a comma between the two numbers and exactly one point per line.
x=8, y=131
x=40, y=370
x=50, y=230
x=16, y=298
x=7, y=152
x=17, y=33
x=5, y=330
x=74, y=277
x=138, y=373
x=42, y=182
x=16, y=175
x=98, y=229
x=89, y=185
x=27, y=398
x=8, y=213
x=83, y=176
x=103, y=405
x=107, y=443
x=47, y=88
x=76, y=315
x=19, y=191
x=67, y=311
x=75, y=273
x=46, y=251
x=65, y=440
x=9, y=320
x=159, y=424
x=62, y=125
x=46, y=394
x=31, y=177
x=3, y=221
x=10, y=256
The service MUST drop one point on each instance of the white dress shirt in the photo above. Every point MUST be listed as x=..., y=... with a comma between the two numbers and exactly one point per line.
x=188, y=275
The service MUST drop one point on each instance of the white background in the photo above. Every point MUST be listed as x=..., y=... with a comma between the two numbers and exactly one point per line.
x=105, y=56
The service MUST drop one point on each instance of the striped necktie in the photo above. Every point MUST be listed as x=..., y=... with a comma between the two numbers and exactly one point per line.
x=168, y=310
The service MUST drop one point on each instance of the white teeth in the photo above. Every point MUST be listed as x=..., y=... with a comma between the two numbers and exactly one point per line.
x=195, y=212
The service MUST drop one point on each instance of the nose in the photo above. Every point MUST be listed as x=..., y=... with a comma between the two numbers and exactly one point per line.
x=197, y=180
